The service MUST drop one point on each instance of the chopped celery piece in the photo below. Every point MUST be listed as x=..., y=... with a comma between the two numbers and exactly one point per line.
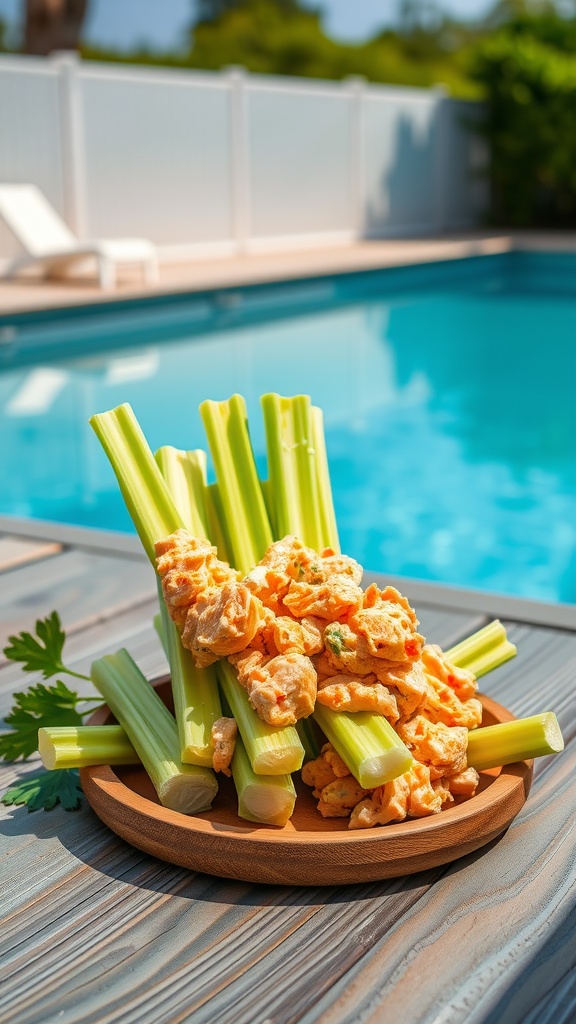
x=272, y=750
x=143, y=488
x=239, y=489
x=185, y=476
x=78, y=746
x=195, y=690
x=196, y=700
x=490, y=660
x=507, y=742
x=327, y=514
x=367, y=744
x=268, y=799
x=308, y=738
x=153, y=734
x=217, y=531
x=292, y=469
x=484, y=650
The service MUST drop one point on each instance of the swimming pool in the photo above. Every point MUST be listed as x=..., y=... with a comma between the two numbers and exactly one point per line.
x=448, y=393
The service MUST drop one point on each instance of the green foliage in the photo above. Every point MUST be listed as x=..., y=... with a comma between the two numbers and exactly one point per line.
x=280, y=37
x=42, y=652
x=46, y=790
x=38, y=707
x=34, y=709
x=528, y=77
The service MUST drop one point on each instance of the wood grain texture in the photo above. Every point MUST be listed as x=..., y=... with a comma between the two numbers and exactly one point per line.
x=308, y=850
x=94, y=931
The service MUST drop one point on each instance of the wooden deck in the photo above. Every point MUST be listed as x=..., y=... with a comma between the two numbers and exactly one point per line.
x=95, y=931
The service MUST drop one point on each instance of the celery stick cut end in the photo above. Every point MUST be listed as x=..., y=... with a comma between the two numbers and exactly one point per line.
x=188, y=794
x=279, y=761
x=47, y=750
x=266, y=805
x=377, y=771
x=553, y=733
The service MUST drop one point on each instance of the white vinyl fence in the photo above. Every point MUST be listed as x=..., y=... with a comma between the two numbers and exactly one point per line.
x=222, y=162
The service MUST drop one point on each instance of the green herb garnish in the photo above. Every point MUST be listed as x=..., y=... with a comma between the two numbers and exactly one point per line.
x=41, y=706
x=43, y=652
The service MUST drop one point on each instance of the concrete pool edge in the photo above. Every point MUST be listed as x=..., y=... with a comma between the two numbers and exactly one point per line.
x=26, y=295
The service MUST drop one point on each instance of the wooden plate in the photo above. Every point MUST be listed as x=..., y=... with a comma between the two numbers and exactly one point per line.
x=309, y=850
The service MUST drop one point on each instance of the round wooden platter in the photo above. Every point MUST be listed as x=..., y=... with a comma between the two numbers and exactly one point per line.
x=309, y=850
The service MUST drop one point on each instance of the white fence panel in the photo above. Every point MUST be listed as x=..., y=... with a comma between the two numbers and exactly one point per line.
x=207, y=162
x=400, y=161
x=30, y=133
x=299, y=141
x=157, y=156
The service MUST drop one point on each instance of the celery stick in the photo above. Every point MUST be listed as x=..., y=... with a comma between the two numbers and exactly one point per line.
x=508, y=742
x=307, y=734
x=485, y=650
x=195, y=693
x=185, y=476
x=329, y=526
x=263, y=798
x=367, y=744
x=301, y=496
x=490, y=660
x=195, y=690
x=153, y=734
x=292, y=468
x=79, y=746
x=240, y=493
x=217, y=531
x=272, y=750
x=143, y=488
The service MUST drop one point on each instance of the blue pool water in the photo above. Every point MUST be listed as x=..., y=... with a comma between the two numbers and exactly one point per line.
x=448, y=394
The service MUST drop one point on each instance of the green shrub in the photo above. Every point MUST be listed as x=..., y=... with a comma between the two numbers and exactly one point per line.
x=530, y=125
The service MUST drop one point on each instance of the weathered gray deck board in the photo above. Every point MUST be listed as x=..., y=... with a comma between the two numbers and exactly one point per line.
x=93, y=931
x=15, y=551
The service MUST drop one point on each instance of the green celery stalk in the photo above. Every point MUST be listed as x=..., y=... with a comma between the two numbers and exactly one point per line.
x=217, y=531
x=268, y=799
x=508, y=742
x=239, y=489
x=293, y=473
x=195, y=693
x=195, y=690
x=152, y=731
x=272, y=750
x=367, y=744
x=143, y=488
x=80, y=746
x=484, y=650
x=308, y=738
x=301, y=497
x=185, y=476
x=329, y=526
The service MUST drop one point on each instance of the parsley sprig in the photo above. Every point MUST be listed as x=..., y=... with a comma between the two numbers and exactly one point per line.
x=43, y=652
x=39, y=706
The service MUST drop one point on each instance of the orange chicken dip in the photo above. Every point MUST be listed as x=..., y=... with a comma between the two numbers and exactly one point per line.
x=300, y=629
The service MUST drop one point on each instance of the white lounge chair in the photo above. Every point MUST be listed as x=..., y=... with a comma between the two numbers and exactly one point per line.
x=48, y=241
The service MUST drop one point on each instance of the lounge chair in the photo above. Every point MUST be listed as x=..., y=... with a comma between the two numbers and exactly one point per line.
x=48, y=241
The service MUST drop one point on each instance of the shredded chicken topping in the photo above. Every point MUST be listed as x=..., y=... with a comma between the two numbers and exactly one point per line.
x=299, y=629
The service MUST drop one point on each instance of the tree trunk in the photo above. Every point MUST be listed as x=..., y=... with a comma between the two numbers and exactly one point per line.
x=53, y=25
